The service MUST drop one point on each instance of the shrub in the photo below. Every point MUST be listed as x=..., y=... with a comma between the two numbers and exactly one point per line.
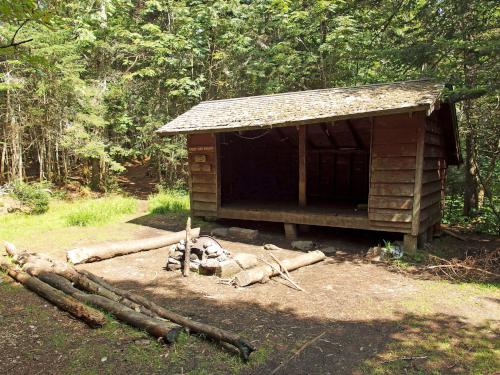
x=167, y=201
x=35, y=197
x=100, y=211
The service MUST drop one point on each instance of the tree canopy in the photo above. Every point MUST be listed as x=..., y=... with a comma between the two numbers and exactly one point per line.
x=84, y=84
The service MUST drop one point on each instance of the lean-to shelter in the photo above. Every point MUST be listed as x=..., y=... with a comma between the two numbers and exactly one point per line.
x=370, y=157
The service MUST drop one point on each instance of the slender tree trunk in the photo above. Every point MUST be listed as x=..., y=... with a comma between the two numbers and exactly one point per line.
x=95, y=178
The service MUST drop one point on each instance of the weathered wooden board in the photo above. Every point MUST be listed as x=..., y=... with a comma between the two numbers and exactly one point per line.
x=393, y=163
x=202, y=159
x=395, y=149
x=392, y=190
x=203, y=188
x=204, y=197
x=391, y=202
x=402, y=176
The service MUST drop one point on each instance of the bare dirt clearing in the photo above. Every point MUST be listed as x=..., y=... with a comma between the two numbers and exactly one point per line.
x=369, y=317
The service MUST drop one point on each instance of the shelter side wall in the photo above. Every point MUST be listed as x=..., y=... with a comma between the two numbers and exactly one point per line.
x=393, y=171
x=434, y=174
x=203, y=167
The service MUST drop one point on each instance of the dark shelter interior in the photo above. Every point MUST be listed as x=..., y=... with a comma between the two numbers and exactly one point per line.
x=262, y=166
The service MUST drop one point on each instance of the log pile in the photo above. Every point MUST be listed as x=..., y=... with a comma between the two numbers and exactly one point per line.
x=73, y=290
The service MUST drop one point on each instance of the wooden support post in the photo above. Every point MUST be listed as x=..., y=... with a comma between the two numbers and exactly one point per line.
x=302, y=166
x=410, y=243
x=290, y=231
x=422, y=239
x=430, y=233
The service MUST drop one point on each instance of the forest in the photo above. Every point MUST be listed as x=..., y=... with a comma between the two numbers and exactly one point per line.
x=84, y=84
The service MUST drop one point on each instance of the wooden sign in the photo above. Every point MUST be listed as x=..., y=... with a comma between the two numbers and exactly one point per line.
x=199, y=158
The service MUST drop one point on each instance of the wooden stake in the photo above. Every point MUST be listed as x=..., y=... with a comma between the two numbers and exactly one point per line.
x=187, y=251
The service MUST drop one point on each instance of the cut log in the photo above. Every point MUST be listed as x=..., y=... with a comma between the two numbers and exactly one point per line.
x=258, y=274
x=100, y=252
x=89, y=315
x=154, y=327
x=37, y=265
x=244, y=347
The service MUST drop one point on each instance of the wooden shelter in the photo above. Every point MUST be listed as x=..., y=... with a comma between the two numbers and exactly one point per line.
x=369, y=157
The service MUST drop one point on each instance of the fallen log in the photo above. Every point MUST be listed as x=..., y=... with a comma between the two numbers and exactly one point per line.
x=100, y=252
x=244, y=347
x=89, y=315
x=262, y=273
x=154, y=327
x=37, y=265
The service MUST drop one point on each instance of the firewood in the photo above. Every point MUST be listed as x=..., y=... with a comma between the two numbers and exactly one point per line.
x=154, y=327
x=244, y=347
x=187, y=251
x=36, y=265
x=100, y=252
x=257, y=274
x=89, y=315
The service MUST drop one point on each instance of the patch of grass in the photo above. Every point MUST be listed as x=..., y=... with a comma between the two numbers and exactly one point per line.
x=59, y=339
x=168, y=201
x=18, y=227
x=100, y=211
x=437, y=344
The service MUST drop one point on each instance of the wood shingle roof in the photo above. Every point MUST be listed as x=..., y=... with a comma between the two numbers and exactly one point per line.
x=304, y=107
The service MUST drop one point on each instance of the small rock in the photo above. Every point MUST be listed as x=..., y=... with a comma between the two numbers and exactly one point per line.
x=142, y=342
x=219, y=232
x=104, y=359
x=173, y=261
x=195, y=267
x=246, y=260
x=173, y=267
x=227, y=268
x=303, y=245
x=243, y=233
x=193, y=257
x=329, y=250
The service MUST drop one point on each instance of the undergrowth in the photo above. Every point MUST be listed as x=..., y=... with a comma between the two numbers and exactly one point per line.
x=83, y=212
x=168, y=201
x=100, y=211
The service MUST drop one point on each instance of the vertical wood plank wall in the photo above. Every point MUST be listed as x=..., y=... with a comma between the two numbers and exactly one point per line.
x=203, y=187
x=393, y=170
x=434, y=175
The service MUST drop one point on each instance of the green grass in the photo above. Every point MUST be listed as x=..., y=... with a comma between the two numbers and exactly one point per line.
x=168, y=201
x=443, y=343
x=61, y=214
x=100, y=211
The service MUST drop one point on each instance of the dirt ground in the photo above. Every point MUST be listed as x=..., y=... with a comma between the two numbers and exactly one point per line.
x=369, y=317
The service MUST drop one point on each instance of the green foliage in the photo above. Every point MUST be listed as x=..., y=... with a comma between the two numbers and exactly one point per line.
x=167, y=201
x=482, y=220
x=34, y=196
x=100, y=211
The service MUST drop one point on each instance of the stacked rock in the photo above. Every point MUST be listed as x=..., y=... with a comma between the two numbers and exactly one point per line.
x=206, y=255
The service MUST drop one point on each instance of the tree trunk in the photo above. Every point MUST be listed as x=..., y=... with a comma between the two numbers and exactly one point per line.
x=262, y=273
x=99, y=252
x=95, y=174
x=470, y=179
x=88, y=314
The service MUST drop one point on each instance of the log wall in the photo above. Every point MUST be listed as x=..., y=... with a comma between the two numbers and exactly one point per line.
x=433, y=175
x=203, y=186
x=393, y=171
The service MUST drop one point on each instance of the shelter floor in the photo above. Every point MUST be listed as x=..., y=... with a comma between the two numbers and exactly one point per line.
x=341, y=215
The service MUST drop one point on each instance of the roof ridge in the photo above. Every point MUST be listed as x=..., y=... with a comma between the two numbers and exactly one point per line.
x=319, y=90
